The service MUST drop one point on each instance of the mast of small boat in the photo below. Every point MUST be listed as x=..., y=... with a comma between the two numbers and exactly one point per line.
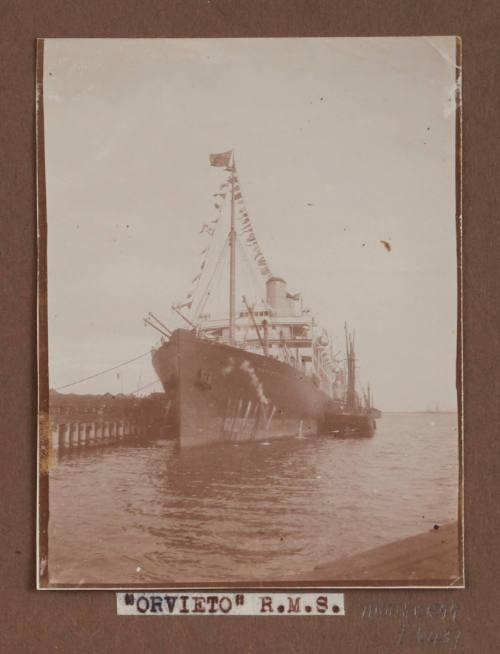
x=351, y=370
x=232, y=261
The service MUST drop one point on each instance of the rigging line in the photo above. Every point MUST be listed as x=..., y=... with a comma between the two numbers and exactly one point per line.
x=257, y=276
x=102, y=372
x=248, y=218
x=204, y=296
x=194, y=289
x=214, y=282
x=212, y=236
x=253, y=273
x=254, y=281
x=146, y=386
x=255, y=244
x=200, y=300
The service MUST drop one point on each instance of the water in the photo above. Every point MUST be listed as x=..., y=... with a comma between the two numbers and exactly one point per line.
x=250, y=512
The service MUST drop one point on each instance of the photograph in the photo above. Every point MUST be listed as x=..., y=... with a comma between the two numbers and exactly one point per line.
x=249, y=293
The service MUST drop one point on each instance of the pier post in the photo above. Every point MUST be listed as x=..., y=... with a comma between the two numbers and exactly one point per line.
x=121, y=430
x=74, y=435
x=67, y=434
x=83, y=434
x=55, y=436
x=99, y=434
x=106, y=431
x=92, y=432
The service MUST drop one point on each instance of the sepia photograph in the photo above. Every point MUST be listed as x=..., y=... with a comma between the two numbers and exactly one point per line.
x=249, y=296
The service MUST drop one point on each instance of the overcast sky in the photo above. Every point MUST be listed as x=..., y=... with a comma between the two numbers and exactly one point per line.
x=340, y=144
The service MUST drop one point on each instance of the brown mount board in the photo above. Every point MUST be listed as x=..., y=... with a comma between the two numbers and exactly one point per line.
x=65, y=621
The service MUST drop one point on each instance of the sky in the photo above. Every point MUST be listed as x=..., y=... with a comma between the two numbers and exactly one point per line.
x=340, y=143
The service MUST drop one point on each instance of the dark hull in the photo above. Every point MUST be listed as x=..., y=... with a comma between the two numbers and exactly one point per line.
x=217, y=393
x=348, y=425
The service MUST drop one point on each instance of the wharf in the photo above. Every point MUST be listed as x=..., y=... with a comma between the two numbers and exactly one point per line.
x=429, y=559
x=83, y=420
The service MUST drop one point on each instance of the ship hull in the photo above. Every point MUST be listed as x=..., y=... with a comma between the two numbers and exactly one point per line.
x=218, y=393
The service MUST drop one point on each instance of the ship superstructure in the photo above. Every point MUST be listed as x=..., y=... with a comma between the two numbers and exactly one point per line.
x=282, y=329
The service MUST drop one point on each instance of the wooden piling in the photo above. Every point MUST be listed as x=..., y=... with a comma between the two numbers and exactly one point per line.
x=92, y=433
x=83, y=433
x=55, y=436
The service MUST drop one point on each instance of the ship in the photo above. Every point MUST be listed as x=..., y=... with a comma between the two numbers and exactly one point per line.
x=263, y=371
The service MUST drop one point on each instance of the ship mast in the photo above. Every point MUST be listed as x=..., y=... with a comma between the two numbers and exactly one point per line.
x=232, y=262
x=351, y=371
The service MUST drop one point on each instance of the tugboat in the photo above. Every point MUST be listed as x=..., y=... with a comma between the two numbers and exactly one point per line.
x=266, y=370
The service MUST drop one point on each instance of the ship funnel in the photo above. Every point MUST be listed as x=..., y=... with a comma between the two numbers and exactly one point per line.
x=276, y=296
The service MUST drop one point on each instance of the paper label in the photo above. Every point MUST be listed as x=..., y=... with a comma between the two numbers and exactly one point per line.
x=215, y=603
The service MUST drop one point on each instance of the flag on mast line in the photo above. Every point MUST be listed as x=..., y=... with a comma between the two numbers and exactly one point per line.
x=221, y=159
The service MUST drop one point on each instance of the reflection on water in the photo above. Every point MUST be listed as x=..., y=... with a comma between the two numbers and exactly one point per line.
x=156, y=513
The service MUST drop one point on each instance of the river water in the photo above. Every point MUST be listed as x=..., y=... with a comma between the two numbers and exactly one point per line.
x=155, y=513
